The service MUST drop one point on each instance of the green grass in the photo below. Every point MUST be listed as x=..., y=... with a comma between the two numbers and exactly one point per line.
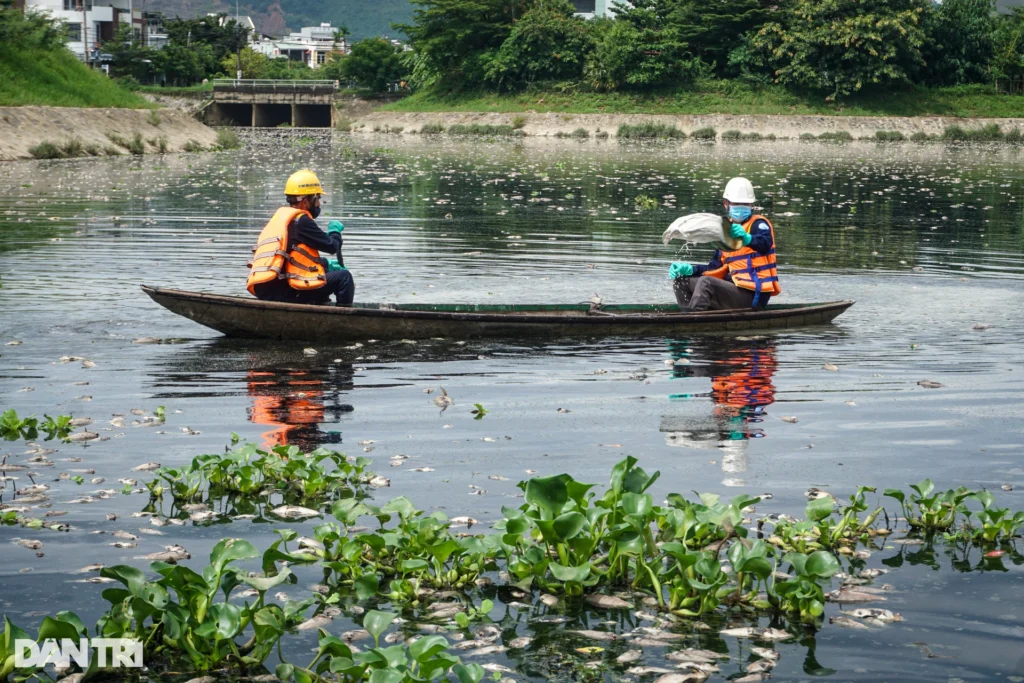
x=649, y=130
x=728, y=97
x=55, y=78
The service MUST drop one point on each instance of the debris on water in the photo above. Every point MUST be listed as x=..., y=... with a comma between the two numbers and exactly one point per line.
x=444, y=400
x=29, y=543
x=295, y=512
x=980, y=326
x=564, y=410
x=871, y=573
x=80, y=421
x=644, y=670
x=147, y=467
x=994, y=554
x=906, y=541
x=88, y=364
x=696, y=656
x=830, y=367
x=463, y=521
x=422, y=469
x=309, y=351
x=760, y=666
x=146, y=340
x=766, y=653
x=125, y=535
x=70, y=359
x=929, y=384
x=88, y=569
x=882, y=615
x=520, y=643
x=1007, y=487
x=317, y=622
x=695, y=677
x=548, y=599
x=630, y=656
x=380, y=482
x=846, y=622
x=497, y=477
x=790, y=419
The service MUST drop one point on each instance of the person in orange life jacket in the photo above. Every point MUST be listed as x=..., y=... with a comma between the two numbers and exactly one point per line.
x=741, y=278
x=294, y=272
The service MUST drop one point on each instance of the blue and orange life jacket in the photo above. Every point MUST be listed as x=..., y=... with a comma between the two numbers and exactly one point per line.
x=272, y=258
x=749, y=269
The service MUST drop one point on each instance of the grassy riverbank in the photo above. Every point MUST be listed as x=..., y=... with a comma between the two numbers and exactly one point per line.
x=55, y=78
x=727, y=97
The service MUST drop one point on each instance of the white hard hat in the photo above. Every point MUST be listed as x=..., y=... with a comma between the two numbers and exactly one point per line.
x=739, y=191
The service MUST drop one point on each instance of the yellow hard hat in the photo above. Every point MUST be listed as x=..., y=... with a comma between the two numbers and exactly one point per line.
x=302, y=183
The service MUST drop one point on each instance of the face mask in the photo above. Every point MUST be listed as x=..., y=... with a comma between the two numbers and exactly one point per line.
x=314, y=211
x=740, y=213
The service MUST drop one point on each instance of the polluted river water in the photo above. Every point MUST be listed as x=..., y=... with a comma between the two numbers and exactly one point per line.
x=921, y=378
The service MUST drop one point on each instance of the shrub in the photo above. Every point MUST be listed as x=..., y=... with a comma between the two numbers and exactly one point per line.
x=436, y=128
x=111, y=151
x=519, y=121
x=137, y=146
x=580, y=133
x=46, y=150
x=920, y=137
x=93, y=150
x=807, y=136
x=836, y=136
x=72, y=147
x=154, y=118
x=159, y=143
x=989, y=133
x=228, y=139
x=649, y=130
x=750, y=137
x=192, y=146
x=889, y=136
x=731, y=135
x=708, y=133
x=128, y=83
x=1014, y=137
x=601, y=135
x=118, y=140
x=395, y=130
x=483, y=129
x=343, y=124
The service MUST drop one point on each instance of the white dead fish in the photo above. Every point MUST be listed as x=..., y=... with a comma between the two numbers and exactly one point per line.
x=84, y=435
x=605, y=636
x=928, y=384
x=147, y=467
x=853, y=595
x=758, y=633
x=499, y=668
x=882, y=615
x=519, y=643
x=295, y=512
x=497, y=477
x=123, y=545
x=630, y=656
x=846, y=622
x=830, y=367
x=647, y=670
x=488, y=650
x=319, y=621
x=760, y=666
x=980, y=326
x=790, y=419
x=203, y=516
x=171, y=554
x=88, y=364
x=766, y=653
x=309, y=351
x=696, y=656
x=871, y=573
x=88, y=569
x=463, y=521
x=549, y=600
x=422, y=469
x=80, y=421
x=380, y=482
x=146, y=340
x=125, y=535
x=29, y=543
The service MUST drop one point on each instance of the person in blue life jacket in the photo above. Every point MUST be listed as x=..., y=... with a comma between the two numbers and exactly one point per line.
x=743, y=278
x=286, y=264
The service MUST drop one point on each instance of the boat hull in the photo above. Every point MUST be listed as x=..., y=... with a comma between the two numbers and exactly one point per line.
x=246, y=317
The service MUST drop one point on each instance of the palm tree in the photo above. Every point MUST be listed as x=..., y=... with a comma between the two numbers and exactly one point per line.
x=341, y=36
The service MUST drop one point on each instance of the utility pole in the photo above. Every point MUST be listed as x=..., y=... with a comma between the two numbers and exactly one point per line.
x=238, y=45
x=85, y=33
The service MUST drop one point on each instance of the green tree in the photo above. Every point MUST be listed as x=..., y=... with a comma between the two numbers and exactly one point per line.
x=1008, y=45
x=642, y=48
x=223, y=36
x=181, y=65
x=254, y=64
x=839, y=47
x=960, y=46
x=128, y=56
x=548, y=43
x=712, y=30
x=374, y=64
x=454, y=39
x=282, y=68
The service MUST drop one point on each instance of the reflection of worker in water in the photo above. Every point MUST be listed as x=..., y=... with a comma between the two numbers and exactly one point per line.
x=295, y=402
x=741, y=389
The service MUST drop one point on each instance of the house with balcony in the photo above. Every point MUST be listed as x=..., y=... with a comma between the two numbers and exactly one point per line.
x=311, y=45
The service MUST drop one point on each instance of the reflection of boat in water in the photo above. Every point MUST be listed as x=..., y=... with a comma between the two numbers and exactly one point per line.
x=238, y=316
x=741, y=389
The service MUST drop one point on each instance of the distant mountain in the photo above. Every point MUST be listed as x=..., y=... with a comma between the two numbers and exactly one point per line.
x=364, y=18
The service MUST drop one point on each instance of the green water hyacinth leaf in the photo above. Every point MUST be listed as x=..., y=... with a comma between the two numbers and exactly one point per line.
x=131, y=577
x=230, y=549
x=895, y=493
x=376, y=623
x=53, y=628
x=924, y=488
x=426, y=647
x=821, y=564
x=367, y=585
x=819, y=509
x=550, y=494
x=563, y=573
x=469, y=673
x=569, y=525
x=263, y=584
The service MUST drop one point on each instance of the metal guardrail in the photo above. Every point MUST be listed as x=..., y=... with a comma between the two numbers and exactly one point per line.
x=260, y=85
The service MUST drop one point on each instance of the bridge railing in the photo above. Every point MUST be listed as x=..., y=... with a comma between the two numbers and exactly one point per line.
x=270, y=86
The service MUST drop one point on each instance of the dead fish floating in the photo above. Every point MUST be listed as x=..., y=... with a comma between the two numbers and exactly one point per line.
x=758, y=633
x=86, y=435
x=444, y=400
x=147, y=467
x=295, y=512
x=606, y=601
x=928, y=384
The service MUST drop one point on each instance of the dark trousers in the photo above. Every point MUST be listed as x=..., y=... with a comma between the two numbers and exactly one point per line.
x=710, y=293
x=339, y=283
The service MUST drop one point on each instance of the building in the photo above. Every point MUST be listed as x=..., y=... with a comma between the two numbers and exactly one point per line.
x=90, y=22
x=594, y=8
x=311, y=45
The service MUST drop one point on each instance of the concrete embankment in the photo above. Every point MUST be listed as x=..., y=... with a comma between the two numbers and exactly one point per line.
x=549, y=124
x=22, y=128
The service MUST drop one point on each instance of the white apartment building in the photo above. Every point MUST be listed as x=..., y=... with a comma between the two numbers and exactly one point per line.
x=594, y=8
x=90, y=22
x=311, y=45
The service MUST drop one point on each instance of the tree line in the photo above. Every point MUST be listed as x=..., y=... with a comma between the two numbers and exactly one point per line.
x=832, y=47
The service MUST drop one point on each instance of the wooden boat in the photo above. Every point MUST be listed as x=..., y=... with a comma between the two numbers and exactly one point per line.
x=238, y=316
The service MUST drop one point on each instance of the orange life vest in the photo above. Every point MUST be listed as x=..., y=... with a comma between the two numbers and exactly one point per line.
x=749, y=269
x=272, y=260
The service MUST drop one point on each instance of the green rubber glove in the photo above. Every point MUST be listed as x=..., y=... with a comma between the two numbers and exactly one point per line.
x=680, y=269
x=738, y=233
x=333, y=265
x=335, y=226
